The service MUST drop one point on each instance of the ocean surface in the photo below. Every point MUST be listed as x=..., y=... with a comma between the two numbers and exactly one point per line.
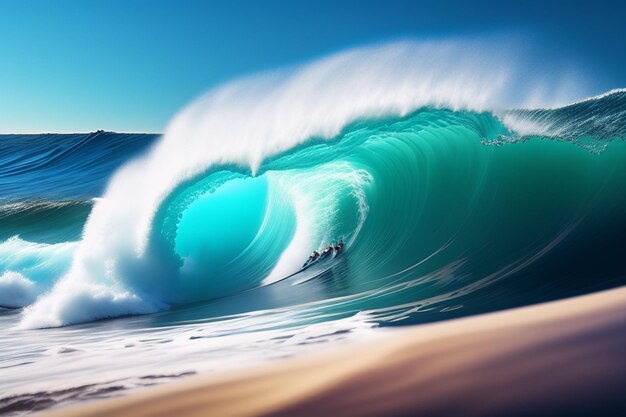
x=128, y=260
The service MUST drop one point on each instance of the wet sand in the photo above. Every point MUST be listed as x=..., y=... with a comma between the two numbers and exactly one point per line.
x=561, y=358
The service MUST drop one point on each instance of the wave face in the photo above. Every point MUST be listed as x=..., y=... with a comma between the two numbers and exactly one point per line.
x=449, y=203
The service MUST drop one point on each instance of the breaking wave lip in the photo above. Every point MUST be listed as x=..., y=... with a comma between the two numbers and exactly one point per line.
x=598, y=117
x=242, y=124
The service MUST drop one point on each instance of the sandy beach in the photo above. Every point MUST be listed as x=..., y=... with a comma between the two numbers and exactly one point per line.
x=559, y=358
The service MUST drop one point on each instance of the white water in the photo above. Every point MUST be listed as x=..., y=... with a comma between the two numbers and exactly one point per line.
x=28, y=269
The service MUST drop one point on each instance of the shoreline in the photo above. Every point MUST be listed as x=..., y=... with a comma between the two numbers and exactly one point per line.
x=565, y=357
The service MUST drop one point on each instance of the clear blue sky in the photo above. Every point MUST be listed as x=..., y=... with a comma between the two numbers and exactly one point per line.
x=129, y=65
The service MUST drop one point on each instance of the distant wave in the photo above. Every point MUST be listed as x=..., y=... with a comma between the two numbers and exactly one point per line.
x=74, y=169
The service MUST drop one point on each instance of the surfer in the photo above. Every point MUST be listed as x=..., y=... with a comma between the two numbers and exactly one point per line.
x=311, y=259
x=328, y=250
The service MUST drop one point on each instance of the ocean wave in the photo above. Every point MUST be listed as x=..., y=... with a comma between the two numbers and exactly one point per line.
x=44, y=221
x=384, y=147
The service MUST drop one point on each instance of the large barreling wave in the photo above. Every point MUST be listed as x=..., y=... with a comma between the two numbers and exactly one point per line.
x=452, y=194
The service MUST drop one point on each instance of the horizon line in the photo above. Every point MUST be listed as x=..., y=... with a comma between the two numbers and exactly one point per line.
x=81, y=133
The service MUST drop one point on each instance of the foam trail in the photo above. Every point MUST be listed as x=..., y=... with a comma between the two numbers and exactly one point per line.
x=243, y=123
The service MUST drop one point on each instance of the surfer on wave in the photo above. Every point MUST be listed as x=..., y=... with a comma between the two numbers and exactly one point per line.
x=314, y=256
x=332, y=249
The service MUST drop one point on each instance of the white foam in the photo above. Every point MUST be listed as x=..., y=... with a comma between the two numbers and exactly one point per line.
x=76, y=302
x=28, y=269
x=16, y=290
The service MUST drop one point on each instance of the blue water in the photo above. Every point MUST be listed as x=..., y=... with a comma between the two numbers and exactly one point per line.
x=48, y=181
x=180, y=254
